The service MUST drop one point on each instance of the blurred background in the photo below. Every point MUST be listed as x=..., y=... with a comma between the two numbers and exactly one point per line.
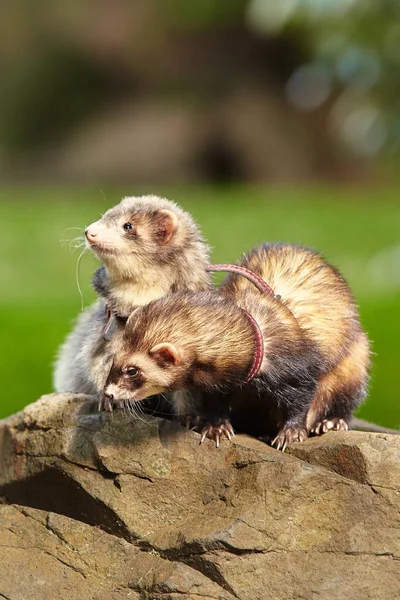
x=267, y=120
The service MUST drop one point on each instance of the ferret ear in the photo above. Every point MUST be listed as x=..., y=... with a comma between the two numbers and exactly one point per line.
x=165, y=354
x=165, y=225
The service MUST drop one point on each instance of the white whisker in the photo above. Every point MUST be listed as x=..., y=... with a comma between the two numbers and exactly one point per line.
x=134, y=410
x=167, y=399
x=78, y=242
x=78, y=262
x=141, y=414
x=103, y=194
x=74, y=243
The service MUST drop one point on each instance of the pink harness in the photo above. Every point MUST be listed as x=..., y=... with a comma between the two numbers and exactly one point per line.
x=264, y=288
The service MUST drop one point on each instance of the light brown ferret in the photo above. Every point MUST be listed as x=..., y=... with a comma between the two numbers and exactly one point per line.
x=149, y=247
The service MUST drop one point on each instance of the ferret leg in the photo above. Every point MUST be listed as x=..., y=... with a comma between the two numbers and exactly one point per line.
x=291, y=418
x=210, y=416
x=340, y=391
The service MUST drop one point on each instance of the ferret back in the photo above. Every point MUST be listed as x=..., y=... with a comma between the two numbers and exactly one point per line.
x=314, y=292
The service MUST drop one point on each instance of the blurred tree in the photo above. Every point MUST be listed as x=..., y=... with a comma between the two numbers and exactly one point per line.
x=52, y=91
x=356, y=44
x=336, y=60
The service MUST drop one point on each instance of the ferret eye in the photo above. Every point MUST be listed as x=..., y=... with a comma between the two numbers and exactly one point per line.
x=132, y=371
x=128, y=226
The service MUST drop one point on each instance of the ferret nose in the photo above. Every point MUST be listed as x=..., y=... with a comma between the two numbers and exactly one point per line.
x=90, y=233
x=106, y=402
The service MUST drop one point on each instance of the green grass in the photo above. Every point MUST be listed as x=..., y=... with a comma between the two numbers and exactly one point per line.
x=357, y=229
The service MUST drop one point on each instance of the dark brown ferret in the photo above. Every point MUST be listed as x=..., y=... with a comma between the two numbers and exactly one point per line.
x=314, y=368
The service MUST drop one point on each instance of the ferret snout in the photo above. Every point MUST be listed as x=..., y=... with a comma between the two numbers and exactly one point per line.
x=111, y=391
x=101, y=238
x=92, y=232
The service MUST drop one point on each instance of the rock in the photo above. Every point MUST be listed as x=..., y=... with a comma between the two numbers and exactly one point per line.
x=368, y=458
x=103, y=506
x=65, y=555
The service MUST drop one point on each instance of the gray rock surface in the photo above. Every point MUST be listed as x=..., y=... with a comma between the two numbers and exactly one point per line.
x=100, y=506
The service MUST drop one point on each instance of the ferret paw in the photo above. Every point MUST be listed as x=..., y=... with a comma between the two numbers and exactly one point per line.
x=216, y=432
x=105, y=403
x=289, y=435
x=208, y=429
x=325, y=425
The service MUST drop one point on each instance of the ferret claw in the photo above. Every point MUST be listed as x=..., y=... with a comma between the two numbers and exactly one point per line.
x=325, y=425
x=105, y=403
x=203, y=437
x=215, y=432
x=287, y=436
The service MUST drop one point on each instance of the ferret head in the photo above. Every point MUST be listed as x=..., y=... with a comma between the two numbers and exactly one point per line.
x=182, y=341
x=137, y=375
x=141, y=232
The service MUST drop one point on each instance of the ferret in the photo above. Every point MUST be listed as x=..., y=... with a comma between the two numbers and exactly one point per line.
x=149, y=247
x=304, y=340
